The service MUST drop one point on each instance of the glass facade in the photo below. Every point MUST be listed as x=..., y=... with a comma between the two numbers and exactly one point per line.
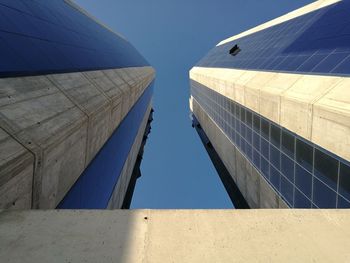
x=302, y=173
x=315, y=43
x=41, y=37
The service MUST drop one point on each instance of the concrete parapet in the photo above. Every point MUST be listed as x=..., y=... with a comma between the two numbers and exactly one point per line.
x=175, y=236
x=59, y=122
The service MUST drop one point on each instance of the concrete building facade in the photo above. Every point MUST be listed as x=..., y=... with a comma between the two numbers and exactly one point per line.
x=274, y=104
x=75, y=108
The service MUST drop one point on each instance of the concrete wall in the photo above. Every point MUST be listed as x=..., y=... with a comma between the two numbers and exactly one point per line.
x=253, y=186
x=60, y=121
x=175, y=236
x=303, y=104
x=121, y=187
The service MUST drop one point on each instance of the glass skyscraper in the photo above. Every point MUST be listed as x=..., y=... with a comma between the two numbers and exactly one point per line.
x=75, y=108
x=273, y=103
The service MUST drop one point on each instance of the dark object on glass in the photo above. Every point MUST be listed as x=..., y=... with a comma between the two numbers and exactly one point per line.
x=235, y=50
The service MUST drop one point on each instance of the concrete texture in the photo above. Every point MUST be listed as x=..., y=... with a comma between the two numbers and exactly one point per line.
x=303, y=104
x=121, y=187
x=175, y=236
x=60, y=121
x=14, y=176
x=301, y=11
x=256, y=190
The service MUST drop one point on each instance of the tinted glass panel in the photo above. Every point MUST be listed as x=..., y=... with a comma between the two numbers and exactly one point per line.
x=287, y=167
x=287, y=190
x=301, y=201
x=265, y=129
x=304, y=154
x=275, y=177
x=303, y=180
x=288, y=143
x=343, y=203
x=256, y=123
x=344, y=181
x=326, y=169
x=275, y=156
x=264, y=148
x=249, y=118
x=275, y=135
x=265, y=167
x=323, y=196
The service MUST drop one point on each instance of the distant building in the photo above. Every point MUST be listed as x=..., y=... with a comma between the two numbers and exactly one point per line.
x=272, y=106
x=75, y=108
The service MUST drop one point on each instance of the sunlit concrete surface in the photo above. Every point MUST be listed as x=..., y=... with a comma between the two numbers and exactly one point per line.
x=175, y=236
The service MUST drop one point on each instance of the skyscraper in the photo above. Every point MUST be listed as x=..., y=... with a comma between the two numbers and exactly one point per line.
x=75, y=108
x=272, y=106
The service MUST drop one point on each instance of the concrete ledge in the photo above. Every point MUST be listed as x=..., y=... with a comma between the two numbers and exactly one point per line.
x=175, y=236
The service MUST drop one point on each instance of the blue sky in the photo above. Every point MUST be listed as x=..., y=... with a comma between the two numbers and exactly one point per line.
x=173, y=35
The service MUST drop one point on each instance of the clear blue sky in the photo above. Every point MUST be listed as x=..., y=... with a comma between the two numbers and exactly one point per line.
x=173, y=35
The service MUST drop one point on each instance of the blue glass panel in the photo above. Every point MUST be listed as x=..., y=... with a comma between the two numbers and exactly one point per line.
x=287, y=190
x=248, y=135
x=256, y=123
x=300, y=201
x=265, y=129
x=274, y=156
x=275, y=177
x=264, y=148
x=248, y=150
x=256, y=141
x=288, y=146
x=242, y=145
x=344, y=181
x=303, y=180
x=323, y=196
x=275, y=135
x=330, y=62
x=326, y=169
x=343, y=67
x=249, y=119
x=287, y=167
x=256, y=159
x=265, y=167
x=243, y=128
x=343, y=203
x=304, y=154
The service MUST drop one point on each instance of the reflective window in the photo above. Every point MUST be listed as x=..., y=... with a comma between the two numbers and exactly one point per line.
x=317, y=42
